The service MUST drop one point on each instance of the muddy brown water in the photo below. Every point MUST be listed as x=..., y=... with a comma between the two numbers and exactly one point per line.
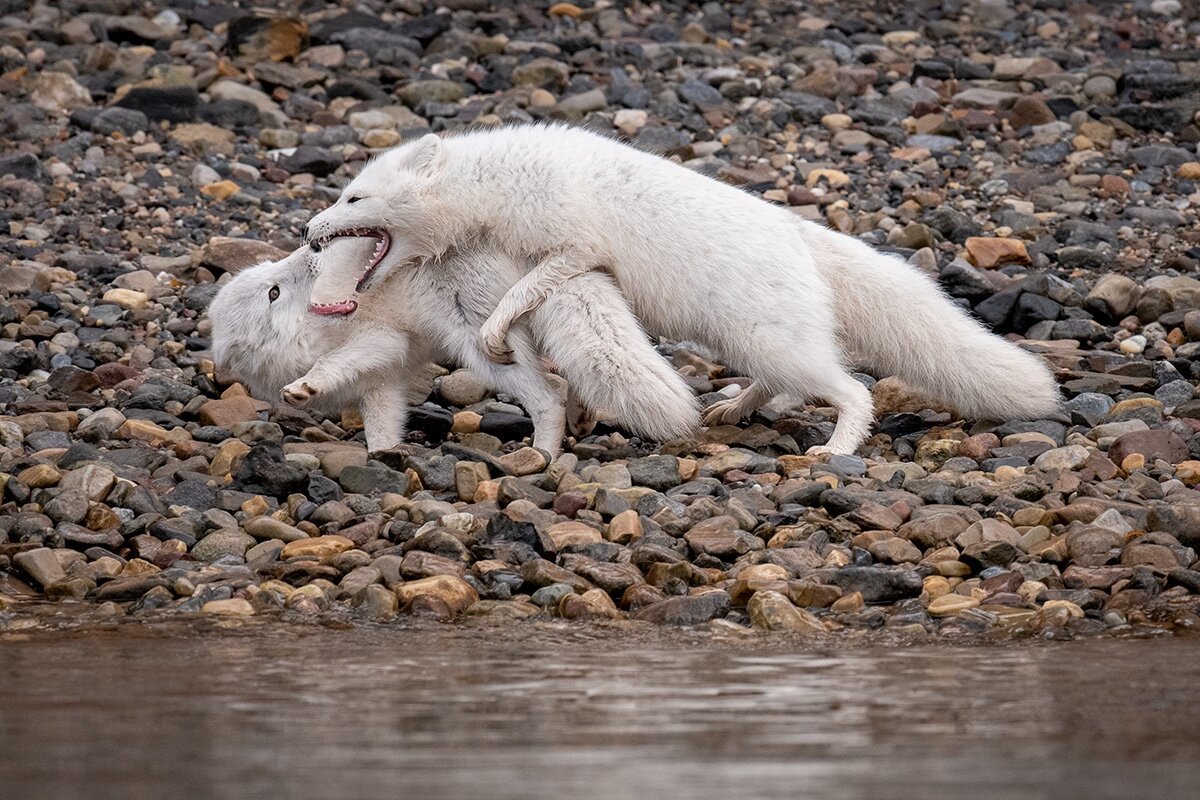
x=427, y=711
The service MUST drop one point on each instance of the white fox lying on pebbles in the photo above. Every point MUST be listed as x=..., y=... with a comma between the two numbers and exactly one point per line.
x=334, y=355
x=787, y=302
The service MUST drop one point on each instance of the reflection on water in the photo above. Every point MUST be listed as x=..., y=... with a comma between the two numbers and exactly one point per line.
x=458, y=712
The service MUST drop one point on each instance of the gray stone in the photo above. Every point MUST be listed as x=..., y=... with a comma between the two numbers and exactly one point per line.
x=659, y=472
x=224, y=542
x=1160, y=155
x=127, y=121
x=584, y=102
x=462, y=388
x=686, y=610
x=878, y=584
x=373, y=479
x=93, y=480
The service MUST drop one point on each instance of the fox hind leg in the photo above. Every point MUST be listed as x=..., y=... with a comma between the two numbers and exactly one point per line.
x=813, y=370
x=385, y=415
x=525, y=296
x=855, y=412
x=542, y=395
x=580, y=419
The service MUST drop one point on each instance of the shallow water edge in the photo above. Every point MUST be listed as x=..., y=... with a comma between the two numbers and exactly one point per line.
x=427, y=710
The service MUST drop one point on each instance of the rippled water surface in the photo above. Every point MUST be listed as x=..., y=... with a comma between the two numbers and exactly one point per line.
x=533, y=711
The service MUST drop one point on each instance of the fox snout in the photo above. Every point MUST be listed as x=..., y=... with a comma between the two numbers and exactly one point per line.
x=304, y=232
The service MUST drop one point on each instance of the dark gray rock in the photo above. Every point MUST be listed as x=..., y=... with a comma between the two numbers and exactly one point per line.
x=878, y=584
x=168, y=103
x=686, y=610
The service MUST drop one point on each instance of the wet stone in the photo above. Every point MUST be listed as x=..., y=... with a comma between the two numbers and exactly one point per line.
x=454, y=592
x=41, y=565
x=877, y=584
x=319, y=546
x=720, y=537
x=686, y=610
x=772, y=611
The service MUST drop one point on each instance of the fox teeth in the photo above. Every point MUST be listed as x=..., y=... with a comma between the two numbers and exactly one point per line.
x=339, y=308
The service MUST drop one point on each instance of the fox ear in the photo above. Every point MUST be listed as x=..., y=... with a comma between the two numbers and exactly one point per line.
x=234, y=267
x=428, y=155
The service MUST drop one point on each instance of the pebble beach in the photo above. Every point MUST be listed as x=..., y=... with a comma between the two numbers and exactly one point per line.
x=1040, y=159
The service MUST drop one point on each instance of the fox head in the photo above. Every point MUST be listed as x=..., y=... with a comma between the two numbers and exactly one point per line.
x=262, y=332
x=392, y=202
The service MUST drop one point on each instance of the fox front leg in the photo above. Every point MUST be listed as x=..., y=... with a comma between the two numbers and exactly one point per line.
x=526, y=295
x=370, y=351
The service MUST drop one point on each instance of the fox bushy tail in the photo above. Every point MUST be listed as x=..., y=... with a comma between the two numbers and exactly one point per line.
x=896, y=321
x=586, y=329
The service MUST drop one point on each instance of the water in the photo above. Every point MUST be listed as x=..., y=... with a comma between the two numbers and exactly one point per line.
x=537, y=710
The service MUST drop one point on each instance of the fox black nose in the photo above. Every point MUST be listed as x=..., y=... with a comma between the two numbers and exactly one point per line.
x=304, y=232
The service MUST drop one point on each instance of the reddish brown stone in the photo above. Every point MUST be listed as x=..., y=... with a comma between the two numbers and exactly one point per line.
x=720, y=537
x=1077, y=577
x=1114, y=186
x=231, y=255
x=989, y=252
x=1031, y=111
x=109, y=374
x=641, y=595
x=979, y=446
x=226, y=413
x=1153, y=444
x=1150, y=555
x=808, y=594
x=570, y=503
x=874, y=517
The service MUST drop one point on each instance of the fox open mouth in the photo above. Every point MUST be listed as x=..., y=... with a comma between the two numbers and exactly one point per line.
x=339, y=309
x=383, y=243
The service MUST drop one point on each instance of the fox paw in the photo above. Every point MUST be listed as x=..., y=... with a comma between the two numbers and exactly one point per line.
x=298, y=393
x=580, y=423
x=820, y=450
x=494, y=346
x=723, y=412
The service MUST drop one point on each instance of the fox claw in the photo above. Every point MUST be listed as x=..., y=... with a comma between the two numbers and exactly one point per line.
x=298, y=393
x=494, y=344
x=723, y=412
x=496, y=348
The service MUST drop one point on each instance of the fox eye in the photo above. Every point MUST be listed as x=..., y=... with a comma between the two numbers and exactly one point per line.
x=315, y=247
x=273, y=295
x=354, y=199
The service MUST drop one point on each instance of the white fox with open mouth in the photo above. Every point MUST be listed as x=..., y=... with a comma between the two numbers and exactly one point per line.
x=272, y=330
x=785, y=301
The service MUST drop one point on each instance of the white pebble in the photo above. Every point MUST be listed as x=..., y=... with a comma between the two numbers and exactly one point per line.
x=1133, y=345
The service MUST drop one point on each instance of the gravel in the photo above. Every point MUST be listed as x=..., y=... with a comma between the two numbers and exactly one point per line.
x=1043, y=166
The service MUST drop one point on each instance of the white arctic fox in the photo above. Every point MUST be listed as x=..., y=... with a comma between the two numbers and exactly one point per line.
x=366, y=351
x=787, y=302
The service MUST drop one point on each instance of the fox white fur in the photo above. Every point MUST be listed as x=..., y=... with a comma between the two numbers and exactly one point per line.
x=787, y=302
x=434, y=310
